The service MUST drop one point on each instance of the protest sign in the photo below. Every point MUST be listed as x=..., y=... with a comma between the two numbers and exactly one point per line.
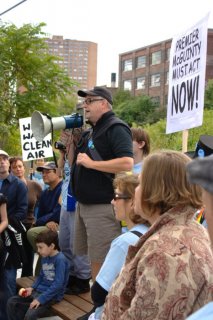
x=31, y=148
x=187, y=78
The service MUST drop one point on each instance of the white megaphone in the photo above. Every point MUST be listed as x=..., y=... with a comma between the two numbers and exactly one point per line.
x=42, y=124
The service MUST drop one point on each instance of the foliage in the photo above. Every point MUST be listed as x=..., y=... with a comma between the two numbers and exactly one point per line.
x=161, y=140
x=10, y=140
x=141, y=109
x=63, y=106
x=209, y=95
x=30, y=78
x=120, y=97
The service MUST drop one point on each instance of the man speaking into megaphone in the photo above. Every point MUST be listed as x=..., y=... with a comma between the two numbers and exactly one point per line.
x=102, y=151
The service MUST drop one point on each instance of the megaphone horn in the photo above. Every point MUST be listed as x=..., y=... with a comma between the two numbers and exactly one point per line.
x=42, y=124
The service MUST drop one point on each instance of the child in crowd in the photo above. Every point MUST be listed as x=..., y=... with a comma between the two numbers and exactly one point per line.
x=141, y=147
x=123, y=203
x=48, y=287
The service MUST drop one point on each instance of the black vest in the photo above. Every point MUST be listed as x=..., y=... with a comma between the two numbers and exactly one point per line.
x=91, y=186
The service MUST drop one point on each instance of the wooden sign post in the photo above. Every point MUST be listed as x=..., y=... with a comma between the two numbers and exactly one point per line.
x=185, y=134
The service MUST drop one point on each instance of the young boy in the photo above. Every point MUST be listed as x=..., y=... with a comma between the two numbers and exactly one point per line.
x=48, y=287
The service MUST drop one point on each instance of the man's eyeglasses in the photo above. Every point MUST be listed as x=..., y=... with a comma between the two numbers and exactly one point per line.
x=3, y=158
x=90, y=100
x=118, y=196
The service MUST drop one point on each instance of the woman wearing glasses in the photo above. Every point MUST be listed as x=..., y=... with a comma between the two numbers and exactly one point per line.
x=123, y=203
x=168, y=274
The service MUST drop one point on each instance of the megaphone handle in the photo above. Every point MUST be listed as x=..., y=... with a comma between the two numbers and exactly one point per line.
x=51, y=123
x=31, y=166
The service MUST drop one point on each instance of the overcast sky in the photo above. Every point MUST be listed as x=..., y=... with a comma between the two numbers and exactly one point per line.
x=117, y=26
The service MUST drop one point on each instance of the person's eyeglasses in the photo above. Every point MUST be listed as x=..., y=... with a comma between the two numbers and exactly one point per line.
x=3, y=158
x=89, y=100
x=118, y=196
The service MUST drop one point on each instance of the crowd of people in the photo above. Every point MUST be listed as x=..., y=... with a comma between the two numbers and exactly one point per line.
x=110, y=217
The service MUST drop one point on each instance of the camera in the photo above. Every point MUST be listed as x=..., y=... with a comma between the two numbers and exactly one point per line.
x=59, y=145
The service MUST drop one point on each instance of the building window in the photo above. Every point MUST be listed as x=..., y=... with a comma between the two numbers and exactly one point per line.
x=141, y=62
x=127, y=65
x=155, y=80
x=156, y=57
x=128, y=85
x=140, y=83
x=168, y=54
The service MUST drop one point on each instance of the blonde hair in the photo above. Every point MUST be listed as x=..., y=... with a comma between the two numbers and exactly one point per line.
x=127, y=182
x=164, y=183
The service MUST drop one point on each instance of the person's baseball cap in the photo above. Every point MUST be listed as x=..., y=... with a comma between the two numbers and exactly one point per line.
x=200, y=171
x=97, y=91
x=4, y=153
x=48, y=166
x=204, y=147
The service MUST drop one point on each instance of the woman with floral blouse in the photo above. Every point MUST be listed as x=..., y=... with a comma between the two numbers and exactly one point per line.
x=168, y=274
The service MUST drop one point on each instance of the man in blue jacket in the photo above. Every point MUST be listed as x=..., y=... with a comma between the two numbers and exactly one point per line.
x=49, y=208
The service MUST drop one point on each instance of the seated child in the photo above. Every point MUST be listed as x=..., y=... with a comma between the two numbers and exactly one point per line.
x=49, y=286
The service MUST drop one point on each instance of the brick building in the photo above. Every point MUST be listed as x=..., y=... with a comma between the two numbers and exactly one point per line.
x=146, y=70
x=79, y=59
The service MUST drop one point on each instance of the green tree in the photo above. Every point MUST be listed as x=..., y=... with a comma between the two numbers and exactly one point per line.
x=161, y=140
x=120, y=97
x=29, y=80
x=140, y=109
x=65, y=105
x=29, y=77
x=209, y=95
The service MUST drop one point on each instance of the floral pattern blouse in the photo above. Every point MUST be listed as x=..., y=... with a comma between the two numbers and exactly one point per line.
x=168, y=274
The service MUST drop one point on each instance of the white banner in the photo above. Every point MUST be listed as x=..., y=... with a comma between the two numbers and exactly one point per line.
x=31, y=148
x=187, y=78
